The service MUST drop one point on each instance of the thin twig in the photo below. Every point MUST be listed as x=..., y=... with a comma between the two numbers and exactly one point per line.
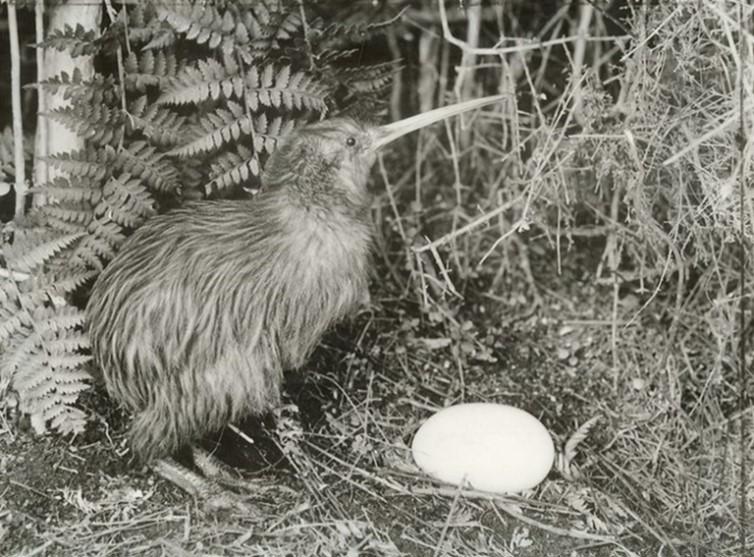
x=41, y=166
x=18, y=130
x=586, y=10
x=396, y=89
x=465, y=72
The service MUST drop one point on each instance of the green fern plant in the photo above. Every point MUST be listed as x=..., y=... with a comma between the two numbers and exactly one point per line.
x=197, y=98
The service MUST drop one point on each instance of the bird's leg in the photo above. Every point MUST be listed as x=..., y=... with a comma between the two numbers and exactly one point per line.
x=209, y=492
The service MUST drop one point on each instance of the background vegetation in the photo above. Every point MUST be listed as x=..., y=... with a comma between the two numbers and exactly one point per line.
x=581, y=251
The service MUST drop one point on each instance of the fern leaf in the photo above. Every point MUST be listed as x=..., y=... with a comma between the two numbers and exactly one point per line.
x=65, y=219
x=144, y=28
x=125, y=201
x=151, y=68
x=56, y=283
x=232, y=169
x=285, y=26
x=100, y=245
x=14, y=324
x=200, y=23
x=70, y=421
x=90, y=163
x=372, y=79
x=207, y=81
x=27, y=253
x=47, y=323
x=95, y=123
x=61, y=319
x=48, y=388
x=222, y=126
x=226, y=126
x=276, y=89
x=160, y=126
x=95, y=90
x=143, y=161
x=76, y=41
x=62, y=190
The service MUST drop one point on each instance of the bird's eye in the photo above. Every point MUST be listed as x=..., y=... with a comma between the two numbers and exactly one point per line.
x=350, y=142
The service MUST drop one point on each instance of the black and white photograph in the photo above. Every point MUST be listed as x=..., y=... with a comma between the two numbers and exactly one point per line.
x=376, y=278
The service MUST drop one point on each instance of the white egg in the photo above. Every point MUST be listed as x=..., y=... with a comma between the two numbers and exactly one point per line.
x=490, y=447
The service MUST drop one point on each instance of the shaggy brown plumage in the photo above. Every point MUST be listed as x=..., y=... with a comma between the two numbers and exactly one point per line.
x=195, y=319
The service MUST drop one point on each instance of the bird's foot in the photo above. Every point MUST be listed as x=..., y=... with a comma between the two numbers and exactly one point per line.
x=214, y=468
x=206, y=489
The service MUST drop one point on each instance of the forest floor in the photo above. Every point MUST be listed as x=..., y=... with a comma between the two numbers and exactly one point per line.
x=335, y=476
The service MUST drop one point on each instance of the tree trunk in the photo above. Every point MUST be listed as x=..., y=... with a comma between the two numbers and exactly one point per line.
x=52, y=137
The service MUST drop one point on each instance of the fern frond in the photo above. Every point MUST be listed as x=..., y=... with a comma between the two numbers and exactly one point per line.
x=160, y=125
x=32, y=249
x=61, y=190
x=69, y=420
x=96, y=123
x=283, y=88
x=47, y=323
x=125, y=201
x=95, y=90
x=207, y=81
x=372, y=79
x=90, y=163
x=40, y=334
x=59, y=320
x=268, y=134
x=222, y=126
x=68, y=345
x=52, y=375
x=248, y=30
x=232, y=169
x=143, y=161
x=17, y=352
x=151, y=68
x=200, y=23
x=76, y=41
x=15, y=320
x=100, y=245
x=145, y=28
x=69, y=281
x=284, y=26
x=225, y=126
x=65, y=219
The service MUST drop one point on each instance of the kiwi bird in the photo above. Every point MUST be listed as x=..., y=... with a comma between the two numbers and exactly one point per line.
x=203, y=308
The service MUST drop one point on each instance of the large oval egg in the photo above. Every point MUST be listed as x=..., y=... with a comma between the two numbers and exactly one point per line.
x=491, y=447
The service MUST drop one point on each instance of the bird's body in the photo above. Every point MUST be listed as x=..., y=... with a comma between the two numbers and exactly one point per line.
x=204, y=307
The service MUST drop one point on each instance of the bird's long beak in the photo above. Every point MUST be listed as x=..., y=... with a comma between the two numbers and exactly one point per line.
x=390, y=132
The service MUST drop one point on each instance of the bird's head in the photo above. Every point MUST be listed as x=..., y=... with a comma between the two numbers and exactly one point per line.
x=326, y=164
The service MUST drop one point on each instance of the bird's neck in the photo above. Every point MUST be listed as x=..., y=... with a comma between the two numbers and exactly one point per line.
x=327, y=196
x=320, y=183
x=321, y=233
